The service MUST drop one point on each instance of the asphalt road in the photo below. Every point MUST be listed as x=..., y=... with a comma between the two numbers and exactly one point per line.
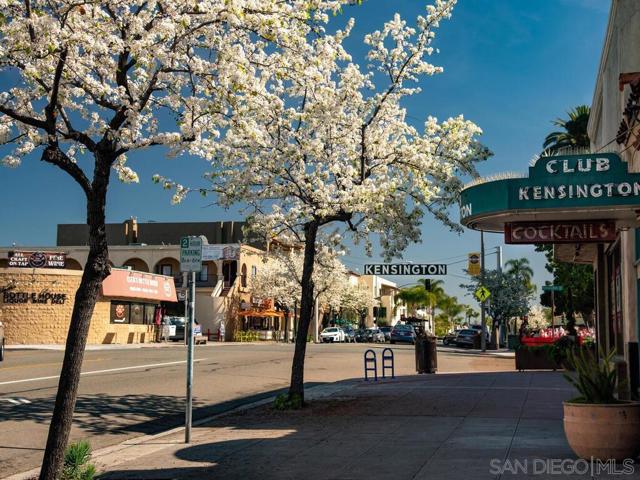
x=129, y=392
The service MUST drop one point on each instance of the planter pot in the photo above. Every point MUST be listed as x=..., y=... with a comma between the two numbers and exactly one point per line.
x=603, y=431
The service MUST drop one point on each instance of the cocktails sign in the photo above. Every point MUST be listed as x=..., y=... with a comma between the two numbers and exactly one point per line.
x=560, y=232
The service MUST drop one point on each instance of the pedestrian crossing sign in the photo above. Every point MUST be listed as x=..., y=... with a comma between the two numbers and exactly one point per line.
x=482, y=293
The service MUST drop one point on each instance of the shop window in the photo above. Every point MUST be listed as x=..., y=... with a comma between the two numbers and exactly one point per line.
x=165, y=269
x=254, y=271
x=149, y=314
x=136, y=313
x=119, y=312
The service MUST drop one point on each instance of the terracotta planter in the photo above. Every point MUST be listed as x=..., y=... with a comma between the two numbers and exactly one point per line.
x=603, y=431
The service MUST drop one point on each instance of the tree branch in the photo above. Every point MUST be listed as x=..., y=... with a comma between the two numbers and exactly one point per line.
x=55, y=156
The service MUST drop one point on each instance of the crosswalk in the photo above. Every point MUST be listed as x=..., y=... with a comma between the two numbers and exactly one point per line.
x=15, y=401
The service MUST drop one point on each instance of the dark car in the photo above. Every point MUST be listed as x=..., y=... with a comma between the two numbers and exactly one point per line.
x=450, y=337
x=402, y=334
x=361, y=335
x=467, y=337
x=387, y=333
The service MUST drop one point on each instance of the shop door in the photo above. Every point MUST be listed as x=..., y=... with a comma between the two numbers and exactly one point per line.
x=615, y=300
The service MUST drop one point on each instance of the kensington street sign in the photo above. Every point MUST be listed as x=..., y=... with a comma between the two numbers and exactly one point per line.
x=405, y=269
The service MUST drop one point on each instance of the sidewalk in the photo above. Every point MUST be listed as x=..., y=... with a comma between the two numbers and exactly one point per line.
x=445, y=426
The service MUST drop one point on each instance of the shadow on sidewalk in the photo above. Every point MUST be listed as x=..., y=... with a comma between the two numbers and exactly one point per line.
x=445, y=426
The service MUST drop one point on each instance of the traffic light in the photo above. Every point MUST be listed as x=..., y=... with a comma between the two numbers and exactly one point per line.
x=427, y=284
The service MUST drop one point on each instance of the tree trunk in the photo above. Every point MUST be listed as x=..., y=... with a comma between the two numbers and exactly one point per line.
x=571, y=314
x=95, y=270
x=296, y=389
x=493, y=344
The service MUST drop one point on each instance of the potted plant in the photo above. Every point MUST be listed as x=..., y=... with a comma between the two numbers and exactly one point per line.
x=597, y=424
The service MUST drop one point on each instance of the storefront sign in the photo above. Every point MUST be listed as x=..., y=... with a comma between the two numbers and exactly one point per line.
x=220, y=252
x=22, y=259
x=44, y=297
x=145, y=286
x=560, y=232
x=405, y=269
x=588, y=182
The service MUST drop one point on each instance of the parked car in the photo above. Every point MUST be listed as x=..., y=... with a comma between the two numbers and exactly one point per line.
x=374, y=335
x=1, y=342
x=467, y=337
x=349, y=334
x=479, y=329
x=179, y=323
x=332, y=334
x=387, y=333
x=450, y=337
x=402, y=333
x=361, y=335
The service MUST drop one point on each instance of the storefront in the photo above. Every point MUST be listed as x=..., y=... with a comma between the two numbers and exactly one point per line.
x=586, y=205
x=36, y=305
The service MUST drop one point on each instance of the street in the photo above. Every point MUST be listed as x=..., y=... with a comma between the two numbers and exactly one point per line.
x=129, y=392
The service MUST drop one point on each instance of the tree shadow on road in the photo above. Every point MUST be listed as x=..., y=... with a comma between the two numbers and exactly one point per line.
x=103, y=413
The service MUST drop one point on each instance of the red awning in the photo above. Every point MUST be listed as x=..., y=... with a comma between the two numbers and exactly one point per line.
x=133, y=284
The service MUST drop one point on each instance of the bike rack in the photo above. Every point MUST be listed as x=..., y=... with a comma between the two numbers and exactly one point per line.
x=368, y=360
x=388, y=362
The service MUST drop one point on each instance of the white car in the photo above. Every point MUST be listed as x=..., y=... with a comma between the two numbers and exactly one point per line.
x=332, y=334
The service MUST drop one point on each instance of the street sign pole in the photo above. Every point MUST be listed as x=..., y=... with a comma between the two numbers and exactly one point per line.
x=192, y=311
x=483, y=337
x=190, y=262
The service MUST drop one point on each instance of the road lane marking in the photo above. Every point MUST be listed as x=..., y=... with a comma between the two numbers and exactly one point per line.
x=15, y=401
x=109, y=370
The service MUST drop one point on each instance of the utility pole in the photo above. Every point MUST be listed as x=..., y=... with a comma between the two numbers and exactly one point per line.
x=499, y=255
x=483, y=337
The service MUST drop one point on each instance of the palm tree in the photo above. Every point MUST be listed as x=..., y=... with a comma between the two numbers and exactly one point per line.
x=452, y=309
x=470, y=313
x=574, y=134
x=435, y=292
x=520, y=267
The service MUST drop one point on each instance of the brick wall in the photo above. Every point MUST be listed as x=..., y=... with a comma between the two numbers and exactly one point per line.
x=48, y=322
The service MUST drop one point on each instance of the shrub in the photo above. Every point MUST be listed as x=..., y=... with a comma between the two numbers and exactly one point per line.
x=285, y=402
x=594, y=378
x=76, y=462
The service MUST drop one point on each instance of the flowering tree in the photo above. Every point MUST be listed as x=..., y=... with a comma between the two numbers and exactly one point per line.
x=91, y=82
x=281, y=279
x=510, y=297
x=330, y=145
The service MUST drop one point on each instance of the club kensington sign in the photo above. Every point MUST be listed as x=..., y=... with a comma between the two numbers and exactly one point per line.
x=557, y=188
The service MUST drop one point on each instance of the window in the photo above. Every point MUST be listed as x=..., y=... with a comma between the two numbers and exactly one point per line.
x=149, y=314
x=136, y=313
x=132, y=312
x=204, y=273
x=254, y=271
x=165, y=269
x=119, y=312
x=244, y=275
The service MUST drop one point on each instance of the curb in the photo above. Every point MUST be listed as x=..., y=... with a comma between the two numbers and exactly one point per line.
x=101, y=457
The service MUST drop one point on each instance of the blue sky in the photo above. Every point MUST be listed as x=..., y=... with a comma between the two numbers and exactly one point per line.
x=511, y=66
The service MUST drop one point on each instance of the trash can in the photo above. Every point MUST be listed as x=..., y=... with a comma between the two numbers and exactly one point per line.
x=426, y=355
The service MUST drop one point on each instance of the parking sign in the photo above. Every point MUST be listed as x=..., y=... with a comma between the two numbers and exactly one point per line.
x=190, y=254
